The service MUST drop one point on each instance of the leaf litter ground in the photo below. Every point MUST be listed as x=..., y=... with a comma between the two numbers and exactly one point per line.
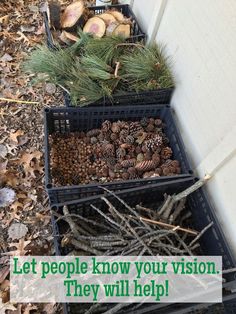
x=25, y=222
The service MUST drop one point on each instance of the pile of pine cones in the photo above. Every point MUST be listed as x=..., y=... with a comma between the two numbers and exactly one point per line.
x=117, y=151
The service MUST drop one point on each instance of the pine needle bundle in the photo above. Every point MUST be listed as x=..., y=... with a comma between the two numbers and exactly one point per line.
x=96, y=68
x=55, y=64
x=107, y=49
x=146, y=68
x=84, y=90
x=92, y=69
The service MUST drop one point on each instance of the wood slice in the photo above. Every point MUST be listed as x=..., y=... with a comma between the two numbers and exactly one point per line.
x=117, y=15
x=95, y=26
x=122, y=30
x=111, y=28
x=107, y=18
x=72, y=14
x=67, y=37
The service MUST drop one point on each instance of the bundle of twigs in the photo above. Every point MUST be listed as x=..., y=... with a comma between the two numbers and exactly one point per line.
x=136, y=230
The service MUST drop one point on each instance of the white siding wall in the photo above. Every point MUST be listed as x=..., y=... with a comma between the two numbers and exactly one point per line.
x=201, y=37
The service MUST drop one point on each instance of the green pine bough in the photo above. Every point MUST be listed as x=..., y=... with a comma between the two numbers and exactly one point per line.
x=92, y=69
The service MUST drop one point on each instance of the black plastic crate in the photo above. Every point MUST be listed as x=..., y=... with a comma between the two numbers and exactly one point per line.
x=65, y=120
x=160, y=96
x=137, y=33
x=212, y=242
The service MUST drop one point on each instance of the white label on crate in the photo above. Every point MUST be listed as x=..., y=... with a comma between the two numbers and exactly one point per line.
x=120, y=279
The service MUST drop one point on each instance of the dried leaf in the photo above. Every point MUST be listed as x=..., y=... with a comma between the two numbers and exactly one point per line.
x=27, y=29
x=50, y=88
x=7, y=196
x=4, y=19
x=30, y=163
x=17, y=231
x=14, y=136
x=6, y=306
x=49, y=308
x=20, y=248
x=29, y=308
x=3, y=151
x=27, y=157
x=6, y=58
x=33, y=8
x=3, y=166
x=4, y=271
x=5, y=285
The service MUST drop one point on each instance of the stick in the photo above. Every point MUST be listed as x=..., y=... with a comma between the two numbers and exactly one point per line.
x=201, y=233
x=19, y=101
x=72, y=224
x=89, y=221
x=117, y=69
x=80, y=245
x=192, y=188
x=178, y=209
x=171, y=200
x=126, y=222
x=126, y=205
x=230, y=270
x=163, y=224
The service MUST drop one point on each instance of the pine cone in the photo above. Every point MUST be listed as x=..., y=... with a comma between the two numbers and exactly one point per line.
x=115, y=127
x=123, y=134
x=108, y=150
x=173, y=166
x=158, y=122
x=165, y=139
x=123, y=125
x=93, y=140
x=93, y=133
x=145, y=166
x=106, y=126
x=75, y=179
x=100, y=137
x=166, y=153
x=152, y=121
x=148, y=156
x=132, y=173
x=144, y=121
x=128, y=163
x=156, y=159
x=138, y=150
x=154, y=143
x=151, y=174
x=135, y=128
x=150, y=127
x=129, y=139
x=120, y=152
x=110, y=161
x=114, y=137
x=118, y=167
x=175, y=163
x=125, y=176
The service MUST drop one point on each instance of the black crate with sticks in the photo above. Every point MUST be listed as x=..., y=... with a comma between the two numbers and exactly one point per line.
x=143, y=201
x=67, y=120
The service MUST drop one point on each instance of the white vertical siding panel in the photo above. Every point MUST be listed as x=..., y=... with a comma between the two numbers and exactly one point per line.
x=201, y=37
